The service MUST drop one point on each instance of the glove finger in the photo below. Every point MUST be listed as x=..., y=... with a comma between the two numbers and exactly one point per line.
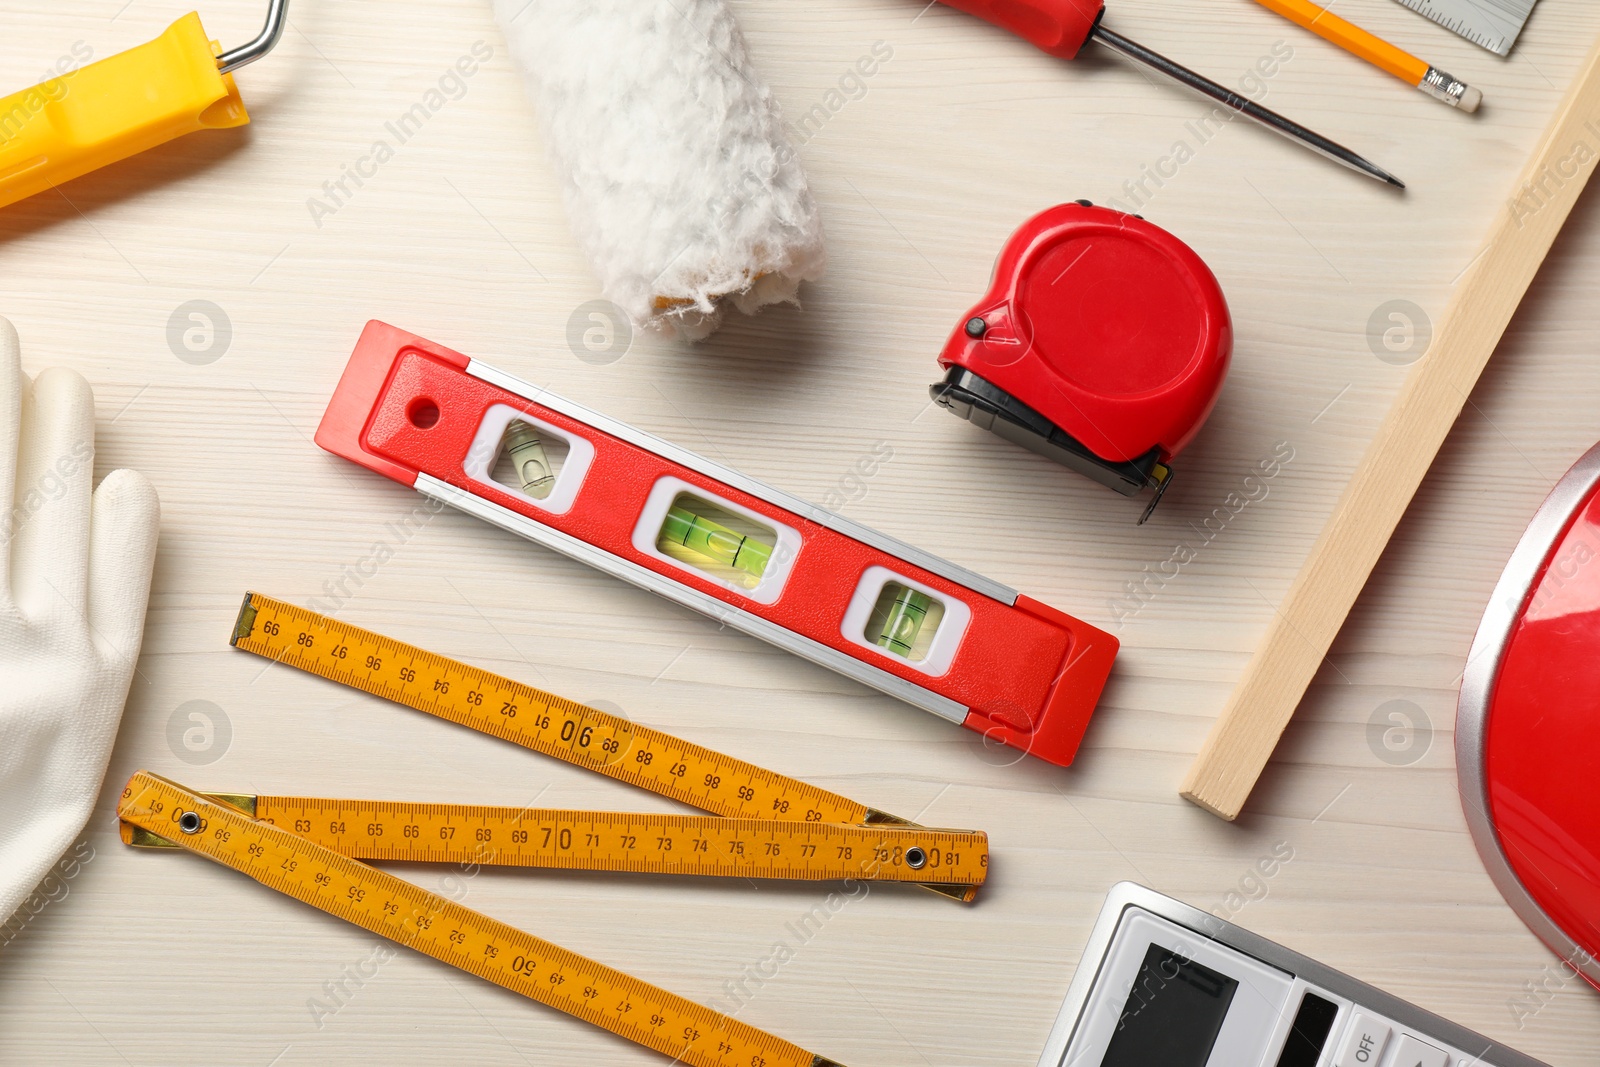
x=55, y=469
x=11, y=386
x=122, y=553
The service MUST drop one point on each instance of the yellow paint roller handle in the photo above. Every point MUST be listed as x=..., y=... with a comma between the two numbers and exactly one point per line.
x=115, y=108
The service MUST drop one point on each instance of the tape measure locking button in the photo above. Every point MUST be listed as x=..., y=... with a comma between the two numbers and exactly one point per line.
x=1102, y=343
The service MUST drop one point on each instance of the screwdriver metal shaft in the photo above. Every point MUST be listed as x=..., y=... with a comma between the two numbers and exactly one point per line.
x=1062, y=27
x=1245, y=106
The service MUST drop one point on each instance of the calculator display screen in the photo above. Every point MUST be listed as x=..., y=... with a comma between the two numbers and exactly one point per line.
x=1173, y=1014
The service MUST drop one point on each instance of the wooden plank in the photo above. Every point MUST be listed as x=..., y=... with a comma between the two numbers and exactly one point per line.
x=1242, y=739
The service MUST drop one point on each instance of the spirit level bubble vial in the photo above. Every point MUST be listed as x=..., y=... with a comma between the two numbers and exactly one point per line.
x=901, y=620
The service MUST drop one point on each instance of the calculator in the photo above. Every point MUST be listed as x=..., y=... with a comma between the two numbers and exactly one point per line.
x=1162, y=984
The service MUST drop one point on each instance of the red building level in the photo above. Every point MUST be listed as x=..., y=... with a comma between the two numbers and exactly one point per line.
x=899, y=619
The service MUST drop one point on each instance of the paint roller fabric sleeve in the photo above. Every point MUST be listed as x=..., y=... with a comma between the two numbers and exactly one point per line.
x=682, y=189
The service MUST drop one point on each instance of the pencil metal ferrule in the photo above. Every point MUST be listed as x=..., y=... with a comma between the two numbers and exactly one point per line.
x=1453, y=91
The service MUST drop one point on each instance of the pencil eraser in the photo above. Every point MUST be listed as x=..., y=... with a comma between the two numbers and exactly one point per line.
x=1470, y=99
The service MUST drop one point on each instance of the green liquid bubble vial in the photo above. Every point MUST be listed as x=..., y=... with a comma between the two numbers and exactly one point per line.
x=716, y=540
x=904, y=620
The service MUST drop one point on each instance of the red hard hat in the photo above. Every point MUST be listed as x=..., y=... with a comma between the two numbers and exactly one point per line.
x=1527, y=732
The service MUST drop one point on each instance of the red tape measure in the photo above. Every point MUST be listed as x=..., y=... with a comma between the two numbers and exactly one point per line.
x=1102, y=343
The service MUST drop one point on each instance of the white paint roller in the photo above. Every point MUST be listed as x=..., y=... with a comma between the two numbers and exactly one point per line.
x=680, y=184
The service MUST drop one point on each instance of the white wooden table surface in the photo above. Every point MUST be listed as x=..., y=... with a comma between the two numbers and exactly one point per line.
x=161, y=959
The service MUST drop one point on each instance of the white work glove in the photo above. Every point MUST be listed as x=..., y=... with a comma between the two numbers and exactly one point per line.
x=74, y=579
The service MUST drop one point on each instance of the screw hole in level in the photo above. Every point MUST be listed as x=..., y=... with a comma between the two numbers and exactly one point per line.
x=423, y=413
x=189, y=822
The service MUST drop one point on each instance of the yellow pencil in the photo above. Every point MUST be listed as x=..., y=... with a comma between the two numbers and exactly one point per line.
x=1380, y=53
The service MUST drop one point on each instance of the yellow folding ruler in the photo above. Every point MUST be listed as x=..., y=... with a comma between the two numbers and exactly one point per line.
x=764, y=825
x=804, y=826
x=707, y=845
x=411, y=916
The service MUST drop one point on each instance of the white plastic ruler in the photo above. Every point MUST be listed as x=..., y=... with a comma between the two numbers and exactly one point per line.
x=1493, y=24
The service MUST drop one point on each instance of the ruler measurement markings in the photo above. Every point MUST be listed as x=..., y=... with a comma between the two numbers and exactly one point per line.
x=1490, y=24
x=485, y=682
x=620, y=841
x=542, y=722
x=450, y=932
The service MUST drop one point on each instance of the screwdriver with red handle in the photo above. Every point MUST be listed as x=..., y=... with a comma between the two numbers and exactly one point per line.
x=1062, y=27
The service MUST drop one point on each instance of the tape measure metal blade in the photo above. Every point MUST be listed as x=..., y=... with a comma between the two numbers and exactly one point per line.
x=532, y=718
x=704, y=845
x=1491, y=24
x=411, y=916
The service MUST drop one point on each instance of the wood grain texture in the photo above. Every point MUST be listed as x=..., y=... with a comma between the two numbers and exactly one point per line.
x=165, y=961
x=1242, y=739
